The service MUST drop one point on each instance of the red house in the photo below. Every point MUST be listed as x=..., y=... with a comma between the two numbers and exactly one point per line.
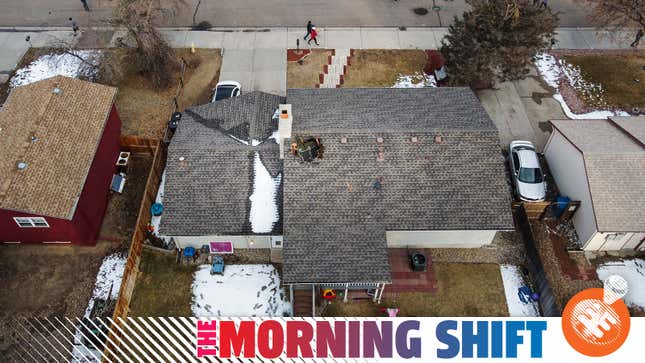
x=59, y=141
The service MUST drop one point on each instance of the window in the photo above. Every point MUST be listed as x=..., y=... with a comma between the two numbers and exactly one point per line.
x=530, y=175
x=31, y=222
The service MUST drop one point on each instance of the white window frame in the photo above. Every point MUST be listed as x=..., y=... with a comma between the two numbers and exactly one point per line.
x=31, y=222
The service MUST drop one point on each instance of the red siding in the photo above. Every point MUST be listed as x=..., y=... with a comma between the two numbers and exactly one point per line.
x=85, y=225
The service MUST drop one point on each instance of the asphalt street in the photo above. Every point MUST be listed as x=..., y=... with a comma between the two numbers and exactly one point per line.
x=268, y=13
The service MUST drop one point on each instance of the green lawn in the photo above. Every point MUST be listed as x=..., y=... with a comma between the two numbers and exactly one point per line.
x=163, y=287
x=463, y=289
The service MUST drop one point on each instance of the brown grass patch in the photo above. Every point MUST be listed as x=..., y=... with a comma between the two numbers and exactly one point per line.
x=306, y=73
x=163, y=287
x=381, y=67
x=463, y=289
x=622, y=77
x=145, y=111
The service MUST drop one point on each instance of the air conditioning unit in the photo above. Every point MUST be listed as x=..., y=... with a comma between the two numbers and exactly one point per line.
x=124, y=156
x=276, y=241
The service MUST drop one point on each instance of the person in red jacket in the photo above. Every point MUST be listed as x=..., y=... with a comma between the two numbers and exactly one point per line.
x=313, y=36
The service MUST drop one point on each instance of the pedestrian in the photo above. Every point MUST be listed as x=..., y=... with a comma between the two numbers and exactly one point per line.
x=309, y=27
x=639, y=35
x=313, y=36
x=84, y=2
x=543, y=4
x=74, y=26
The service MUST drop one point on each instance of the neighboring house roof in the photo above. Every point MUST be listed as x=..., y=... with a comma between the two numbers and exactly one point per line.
x=208, y=192
x=67, y=128
x=615, y=163
x=337, y=209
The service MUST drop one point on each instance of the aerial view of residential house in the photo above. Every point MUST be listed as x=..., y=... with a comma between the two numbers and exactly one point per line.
x=59, y=140
x=222, y=184
x=396, y=169
x=601, y=163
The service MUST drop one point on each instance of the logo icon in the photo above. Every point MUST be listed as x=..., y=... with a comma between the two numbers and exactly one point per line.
x=595, y=321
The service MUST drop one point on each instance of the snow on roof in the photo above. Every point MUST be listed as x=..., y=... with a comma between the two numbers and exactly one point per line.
x=264, y=208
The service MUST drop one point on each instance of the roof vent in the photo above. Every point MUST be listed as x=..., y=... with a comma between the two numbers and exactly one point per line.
x=379, y=140
x=343, y=140
x=438, y=139
x=57, y=90
x=182, y=159
x=378, y=183
x=33, y=138
x=414, y=139
x=381, y=155
x=22, y=165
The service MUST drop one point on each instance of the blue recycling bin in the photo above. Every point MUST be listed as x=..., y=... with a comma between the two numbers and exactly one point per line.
x=561, y=203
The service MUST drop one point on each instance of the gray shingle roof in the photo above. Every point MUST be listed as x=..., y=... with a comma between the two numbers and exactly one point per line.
x=208, y=193
x=335, y=214
x=615, y=163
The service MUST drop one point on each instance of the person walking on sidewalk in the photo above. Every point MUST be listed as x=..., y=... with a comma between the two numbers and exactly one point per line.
x=309, y=27
x=639, y=35
x=313, y=36
x=84, y=2
x=74, y=26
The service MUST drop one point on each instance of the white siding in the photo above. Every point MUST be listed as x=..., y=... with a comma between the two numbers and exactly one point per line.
x=239, y=242
x=567, y=166
x=607, y=241
x=439, y=239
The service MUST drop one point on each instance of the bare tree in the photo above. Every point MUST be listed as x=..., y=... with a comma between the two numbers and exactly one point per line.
x=617, y=14
x=154, y=56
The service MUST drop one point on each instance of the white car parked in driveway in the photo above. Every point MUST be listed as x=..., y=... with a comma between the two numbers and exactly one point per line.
x=226, y=89
x=526, y=172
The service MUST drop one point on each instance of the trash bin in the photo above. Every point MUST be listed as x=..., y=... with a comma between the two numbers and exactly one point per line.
x=561, y=203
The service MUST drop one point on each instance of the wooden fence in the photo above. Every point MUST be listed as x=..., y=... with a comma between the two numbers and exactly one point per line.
x=155, y=148
x=534, y=210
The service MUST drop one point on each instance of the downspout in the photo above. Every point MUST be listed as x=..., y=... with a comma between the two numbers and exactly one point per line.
x=291, y=298
x=313, y=300
x=346, y=290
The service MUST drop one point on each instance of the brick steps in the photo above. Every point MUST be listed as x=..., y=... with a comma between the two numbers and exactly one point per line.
x=334, y=70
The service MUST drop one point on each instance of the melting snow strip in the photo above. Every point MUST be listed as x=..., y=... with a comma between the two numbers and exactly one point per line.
x=264, y=209
x=51, y=65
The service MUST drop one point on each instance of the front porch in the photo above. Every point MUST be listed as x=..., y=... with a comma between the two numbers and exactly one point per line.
x=307, y=299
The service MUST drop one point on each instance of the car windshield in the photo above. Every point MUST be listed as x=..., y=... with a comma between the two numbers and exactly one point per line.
x=530, y=175
x=223, y=92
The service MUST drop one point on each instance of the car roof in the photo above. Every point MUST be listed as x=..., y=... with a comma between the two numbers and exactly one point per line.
x=528, y=158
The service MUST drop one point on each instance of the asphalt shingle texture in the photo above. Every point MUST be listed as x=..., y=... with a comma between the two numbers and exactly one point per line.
x=337, y=209
x=208, y=192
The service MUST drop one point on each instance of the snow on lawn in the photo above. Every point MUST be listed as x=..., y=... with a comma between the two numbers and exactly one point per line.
x=552, y=72
x=264, y=209
x=51, y=65
x=634, y=272
x=109, y=277
x=156, y=220
x=512, y=277
x=242, y=291
x=417, y=80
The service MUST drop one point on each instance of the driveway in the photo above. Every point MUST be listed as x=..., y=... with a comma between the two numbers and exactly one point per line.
x=256, y=69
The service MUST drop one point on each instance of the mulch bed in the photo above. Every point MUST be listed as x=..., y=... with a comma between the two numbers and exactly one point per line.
x=570, y=268
x=294, y=55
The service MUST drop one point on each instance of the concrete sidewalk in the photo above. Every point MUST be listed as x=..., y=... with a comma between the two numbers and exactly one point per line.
x=13, y=44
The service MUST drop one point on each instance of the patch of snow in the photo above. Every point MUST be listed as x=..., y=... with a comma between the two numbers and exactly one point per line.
x=108, y=280
x=264, y=209
x=255, y=142
x=156, y=220
x=242, y=291
x=417, y=80
x=238, y=140
x=634, y=272
x=275, y=135
x=513, y=280
x=51, y=65
x=551, y=71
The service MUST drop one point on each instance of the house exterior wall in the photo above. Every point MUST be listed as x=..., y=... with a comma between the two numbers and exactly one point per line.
x=439, y=239
x=615, y=241
x=239, y=242
x=84, y=226
x=567, y=167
